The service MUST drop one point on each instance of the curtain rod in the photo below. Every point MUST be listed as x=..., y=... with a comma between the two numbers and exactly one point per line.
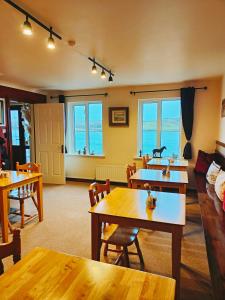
x=169, y=90
x=84, y=95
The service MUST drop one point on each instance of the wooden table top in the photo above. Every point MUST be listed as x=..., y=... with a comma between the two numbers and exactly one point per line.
x=16, y=177
x=156, y=175
x=46, y=274
x=164, y=162
x=131, y=203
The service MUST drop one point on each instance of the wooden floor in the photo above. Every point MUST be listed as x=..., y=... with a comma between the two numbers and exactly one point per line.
x=66, y=228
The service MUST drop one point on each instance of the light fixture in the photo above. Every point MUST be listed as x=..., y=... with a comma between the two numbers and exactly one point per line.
x=103, y=76
x=51, y=42
x=110, y=77
x=104, y=69
x=94, y=69
x=27, y=28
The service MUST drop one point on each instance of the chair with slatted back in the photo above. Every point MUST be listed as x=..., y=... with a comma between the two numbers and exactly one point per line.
x=131, y=169
x=145, y=160
x=13, y=248
x=26, y=191
x=112, y=234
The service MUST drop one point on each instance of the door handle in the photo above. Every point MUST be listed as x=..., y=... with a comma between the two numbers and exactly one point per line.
x=62, y=149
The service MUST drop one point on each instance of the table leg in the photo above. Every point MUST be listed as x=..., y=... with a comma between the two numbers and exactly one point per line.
x=182, y=189
x=176, y=257
x=95, y=237
x=4, y=214
x=40, y=198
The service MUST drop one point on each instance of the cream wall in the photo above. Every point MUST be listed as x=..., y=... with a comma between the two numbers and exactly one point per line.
x=120, y=144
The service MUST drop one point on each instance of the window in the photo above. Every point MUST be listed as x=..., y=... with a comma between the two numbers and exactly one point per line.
x=86, y=130
x=160, y=125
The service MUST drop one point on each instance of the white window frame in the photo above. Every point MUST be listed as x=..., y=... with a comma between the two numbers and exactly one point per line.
x=159, y=121
x=70, y=136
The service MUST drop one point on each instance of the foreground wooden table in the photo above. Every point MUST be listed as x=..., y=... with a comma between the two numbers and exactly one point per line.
x=161, y=163
x=177, y=179
x=15, y=180
x=46, y=274
x=127, y=207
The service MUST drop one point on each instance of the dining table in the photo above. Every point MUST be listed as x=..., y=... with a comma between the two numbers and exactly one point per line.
x=127, y=207
x=14, y=180
x=155, y=178
x=162, y=163
x=48, y=274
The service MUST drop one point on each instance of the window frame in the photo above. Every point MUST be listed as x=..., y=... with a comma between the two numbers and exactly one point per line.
x=159, y=121
x=70, y=134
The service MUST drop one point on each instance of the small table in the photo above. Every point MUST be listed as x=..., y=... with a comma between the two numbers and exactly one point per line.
x=46, y=274
x=127, y=207
x=176, y=179
x=15, y=180
x=161, y=163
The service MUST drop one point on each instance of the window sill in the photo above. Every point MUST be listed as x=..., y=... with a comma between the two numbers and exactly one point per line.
x=85, y=155
x=138, y=158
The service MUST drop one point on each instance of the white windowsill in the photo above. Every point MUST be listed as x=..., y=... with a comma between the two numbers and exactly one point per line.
x=85, y=155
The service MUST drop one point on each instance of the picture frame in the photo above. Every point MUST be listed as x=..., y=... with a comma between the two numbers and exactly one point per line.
x=2, y=112
x=223, y=109
x=119, y=116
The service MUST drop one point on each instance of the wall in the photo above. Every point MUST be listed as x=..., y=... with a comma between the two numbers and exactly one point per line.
x=120, y=144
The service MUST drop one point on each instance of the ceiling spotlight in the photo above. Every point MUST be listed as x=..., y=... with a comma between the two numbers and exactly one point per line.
x=94, y=69
x=110, y=77
x=103, y=76
x=51, y=42
x=27, y=29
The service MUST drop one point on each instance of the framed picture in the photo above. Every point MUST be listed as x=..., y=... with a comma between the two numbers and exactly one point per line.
x=223, y=109
x=2, y=112
x=118, y=116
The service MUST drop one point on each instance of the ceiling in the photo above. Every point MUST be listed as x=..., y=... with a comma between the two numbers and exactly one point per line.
x=143, y=42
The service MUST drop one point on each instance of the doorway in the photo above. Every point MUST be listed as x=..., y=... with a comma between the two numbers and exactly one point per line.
x=20, y=119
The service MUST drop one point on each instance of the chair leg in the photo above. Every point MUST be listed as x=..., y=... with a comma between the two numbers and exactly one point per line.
x=126, y=257
x=22, y=213
x=1, y=267
x=139, y=253
x=106, y=249
x=10, y=227
x=35, y=203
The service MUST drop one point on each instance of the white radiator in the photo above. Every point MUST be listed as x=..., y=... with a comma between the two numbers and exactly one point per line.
x=115, y=173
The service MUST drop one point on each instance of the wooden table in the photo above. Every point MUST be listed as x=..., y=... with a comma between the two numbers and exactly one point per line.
x=161, y=163
x=127, y=207
x=46, y=274
x=15, y=180
x=176, y=179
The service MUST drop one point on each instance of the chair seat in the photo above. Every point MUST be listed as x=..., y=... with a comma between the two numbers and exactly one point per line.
x=21, y=194
x=120, y=236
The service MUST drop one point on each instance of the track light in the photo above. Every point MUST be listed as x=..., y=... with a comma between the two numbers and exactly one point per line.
x=94, y=69
x=103, y=76
x=27, y=28
x=51, y=42
x=110, y=77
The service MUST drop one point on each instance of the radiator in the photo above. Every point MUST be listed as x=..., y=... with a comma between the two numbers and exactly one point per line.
x=116, y=173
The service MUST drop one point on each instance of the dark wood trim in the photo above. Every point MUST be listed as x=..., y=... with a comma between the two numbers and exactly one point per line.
x=21, y=95
x=220, y=144
x=92, y=180
x=126, y=111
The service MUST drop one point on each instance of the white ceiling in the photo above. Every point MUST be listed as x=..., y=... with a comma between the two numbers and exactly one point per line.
x=142, y=41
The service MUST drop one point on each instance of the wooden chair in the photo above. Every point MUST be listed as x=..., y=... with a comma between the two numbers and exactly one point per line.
x=26, y=191
x=145, y=160
x=112, y=234
x=131, y=169
x=13, y=248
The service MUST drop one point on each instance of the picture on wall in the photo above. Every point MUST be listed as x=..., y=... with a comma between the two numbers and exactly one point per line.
x=119, y=116
x=2, y=112
x=223, y=109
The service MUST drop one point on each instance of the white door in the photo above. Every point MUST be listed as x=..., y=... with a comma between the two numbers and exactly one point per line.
x=49, y=141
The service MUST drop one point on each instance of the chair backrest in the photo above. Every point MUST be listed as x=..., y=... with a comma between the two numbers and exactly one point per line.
x=98, y=191
x=13, y=248
x=131, y=169
x=145, y=160
x=28, y=168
